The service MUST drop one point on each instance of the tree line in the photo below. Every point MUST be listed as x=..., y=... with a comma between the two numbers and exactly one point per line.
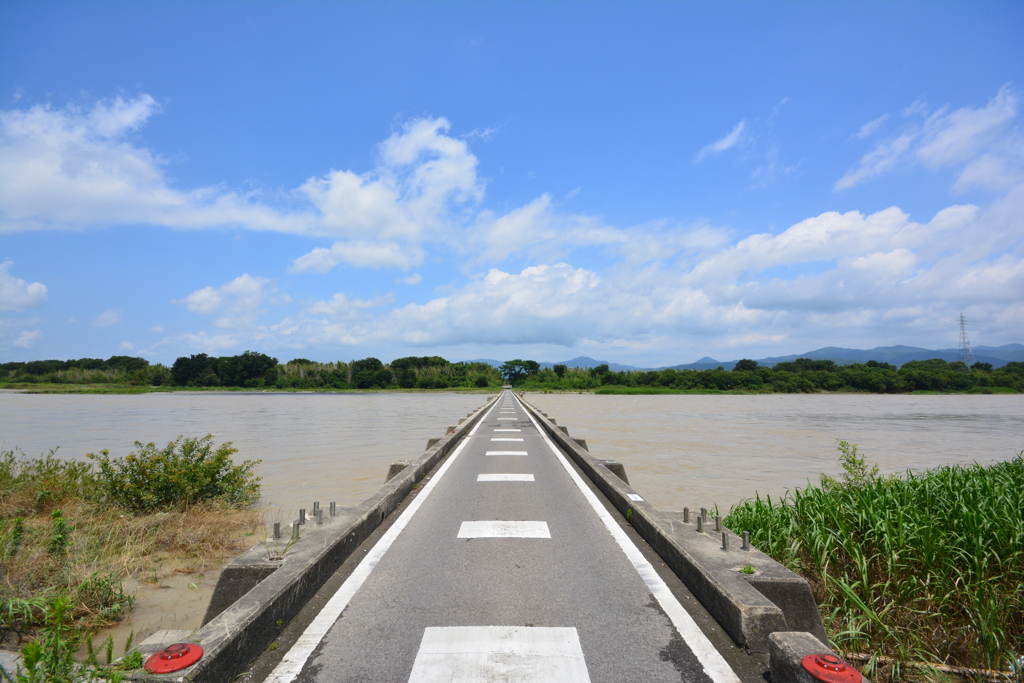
x=257, y=370
x=803, y=375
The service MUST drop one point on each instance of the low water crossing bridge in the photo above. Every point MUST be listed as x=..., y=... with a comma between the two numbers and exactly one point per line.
x=506, y=566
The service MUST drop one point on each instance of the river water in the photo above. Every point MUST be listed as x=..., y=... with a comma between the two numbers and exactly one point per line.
x=678, y=450
x=699, y=450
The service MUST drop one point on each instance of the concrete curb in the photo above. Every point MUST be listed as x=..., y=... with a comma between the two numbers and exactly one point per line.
x=749, y=607
x=237, y=635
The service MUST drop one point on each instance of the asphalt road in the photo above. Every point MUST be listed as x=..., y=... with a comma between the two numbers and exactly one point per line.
x=505, y=567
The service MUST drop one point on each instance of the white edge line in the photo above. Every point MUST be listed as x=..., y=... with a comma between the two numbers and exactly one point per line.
x=711, y=659
x=291, y=665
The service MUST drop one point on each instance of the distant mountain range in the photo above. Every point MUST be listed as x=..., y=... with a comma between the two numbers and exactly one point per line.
x=998, y=356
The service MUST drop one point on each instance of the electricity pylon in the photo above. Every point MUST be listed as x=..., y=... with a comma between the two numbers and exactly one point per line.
x=966, y=355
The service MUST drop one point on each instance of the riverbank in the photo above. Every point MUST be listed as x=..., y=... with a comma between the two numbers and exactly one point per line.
x=52, y=388
x=654, y=391
x=73, y=532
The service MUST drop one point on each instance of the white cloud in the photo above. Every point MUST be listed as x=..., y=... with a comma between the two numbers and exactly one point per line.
x=108, y=318
x=544, y=303
x=882, y=158
x=729, y=141
x=17, y=294
x=413, y=279
x=127, y=346
x=341, y=305
x=365, y=254
x=157, y=329
x=871, y=127
x=27, y=339
x=982, y=138
x=237, y=304
x=74, y=168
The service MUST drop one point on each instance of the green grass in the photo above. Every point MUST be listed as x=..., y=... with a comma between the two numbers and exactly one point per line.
x=927, y=568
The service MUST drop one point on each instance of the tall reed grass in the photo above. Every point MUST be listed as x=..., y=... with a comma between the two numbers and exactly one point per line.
x=924, y=568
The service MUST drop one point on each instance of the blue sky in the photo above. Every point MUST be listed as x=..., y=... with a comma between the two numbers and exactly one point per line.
x=645, y=183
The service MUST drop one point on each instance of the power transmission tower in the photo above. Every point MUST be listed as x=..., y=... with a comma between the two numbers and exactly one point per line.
x=966, y=355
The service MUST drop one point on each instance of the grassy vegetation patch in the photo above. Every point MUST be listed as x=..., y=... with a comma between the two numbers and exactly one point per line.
x=925, y=568
x=70, y=532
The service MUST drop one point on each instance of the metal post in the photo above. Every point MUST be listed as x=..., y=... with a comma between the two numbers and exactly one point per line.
x=686, y=515
x=319, y=517
x=302, y=515
x=334, y=510
x=700, y=525
x=704, y=514
x=718, y=523
x=746, y=540
x=725, y=541
x=277, y=529
x=316, y=506
x=295, y=530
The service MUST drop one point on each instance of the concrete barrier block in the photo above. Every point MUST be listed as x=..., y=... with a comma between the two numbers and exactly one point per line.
x=713, y=576
x=793, y=596
x=239, y=577
x=616, y=468
x=395, y=469
x=786, y=651
x=565, y=430
x=431, y=443
x=582, y=443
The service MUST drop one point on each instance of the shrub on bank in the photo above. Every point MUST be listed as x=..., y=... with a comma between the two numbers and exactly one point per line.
x=928, y=568
x=185, y=472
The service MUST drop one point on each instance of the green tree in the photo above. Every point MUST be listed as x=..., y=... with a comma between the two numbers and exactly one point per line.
x=515, y=371
x=745, y=365
x=187, y=370
x=365, y=373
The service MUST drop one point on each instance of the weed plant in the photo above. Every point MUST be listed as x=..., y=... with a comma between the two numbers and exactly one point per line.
x=925, y=568
x=50, y=659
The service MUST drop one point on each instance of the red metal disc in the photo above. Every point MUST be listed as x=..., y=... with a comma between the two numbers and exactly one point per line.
x=831, y=669
x=174, y=658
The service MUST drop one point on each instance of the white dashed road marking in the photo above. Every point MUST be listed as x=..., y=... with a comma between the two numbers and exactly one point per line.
x=506, y=453
x=504, y=438
x=504, y=477
x=503, y=529
x=512, y=654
